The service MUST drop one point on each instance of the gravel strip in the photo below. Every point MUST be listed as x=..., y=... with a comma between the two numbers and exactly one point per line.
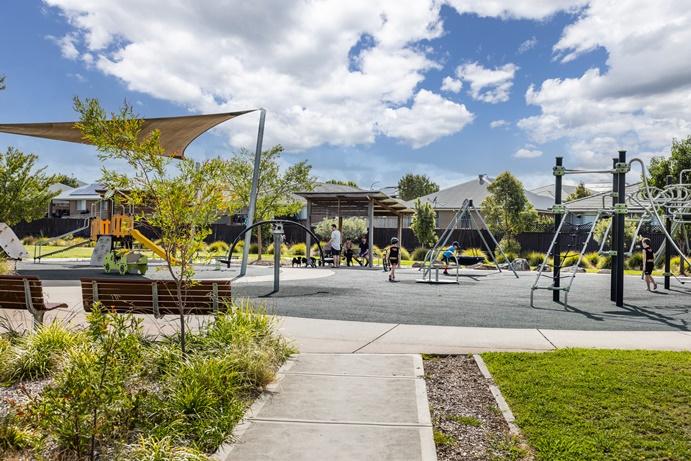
x=468, y=424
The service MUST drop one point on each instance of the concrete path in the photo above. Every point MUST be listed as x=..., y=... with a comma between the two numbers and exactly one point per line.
x=339, y=407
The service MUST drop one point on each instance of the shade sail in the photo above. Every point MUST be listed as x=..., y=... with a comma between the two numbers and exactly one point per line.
x=176, y=133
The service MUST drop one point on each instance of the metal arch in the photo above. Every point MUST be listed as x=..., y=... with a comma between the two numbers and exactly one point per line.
x=273, y=221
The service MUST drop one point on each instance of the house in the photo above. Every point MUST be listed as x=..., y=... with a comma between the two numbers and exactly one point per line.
x=57, y=207
x=446, y=202
x=585, y=209
x=78, y=202
x=548, y=190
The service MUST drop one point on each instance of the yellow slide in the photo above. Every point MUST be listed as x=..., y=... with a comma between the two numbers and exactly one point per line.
x=146, y=243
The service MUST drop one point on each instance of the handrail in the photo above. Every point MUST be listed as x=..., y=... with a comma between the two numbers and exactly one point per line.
x=38, y=246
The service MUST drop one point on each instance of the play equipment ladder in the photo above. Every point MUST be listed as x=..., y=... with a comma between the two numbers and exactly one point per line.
x=558, y=260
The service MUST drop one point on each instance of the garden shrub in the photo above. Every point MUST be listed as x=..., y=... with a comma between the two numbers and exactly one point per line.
x=30, y=240
x=419, y=254
x=568, y=259
x=5, y=268
x=239, y=246
x=509, y=257
x=314, y=249
x=535, y=258
x=510, y=245
x=254, y=248
x=592, y=259
x=37, y=354
x=605, y=262
x=405, y=254
x=635, y=261
x=163, y=449
x=14, y=437
x=298, y=249
x=219, y=247
x=270, y=249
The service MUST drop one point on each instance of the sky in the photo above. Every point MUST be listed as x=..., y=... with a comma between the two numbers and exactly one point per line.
x=364, y=90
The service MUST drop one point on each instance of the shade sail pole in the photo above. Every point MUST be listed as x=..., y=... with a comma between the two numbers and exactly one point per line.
x=253, y=193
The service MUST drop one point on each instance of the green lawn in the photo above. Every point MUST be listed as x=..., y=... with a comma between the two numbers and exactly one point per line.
x=575, y=404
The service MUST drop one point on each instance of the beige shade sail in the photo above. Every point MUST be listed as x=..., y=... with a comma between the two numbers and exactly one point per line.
x=176, y=133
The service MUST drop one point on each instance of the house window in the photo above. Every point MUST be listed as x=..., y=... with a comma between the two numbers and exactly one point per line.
x=81, y=205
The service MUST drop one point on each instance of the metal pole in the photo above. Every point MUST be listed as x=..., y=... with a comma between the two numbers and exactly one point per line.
x=308, y=224
x=556, y=251
x=370, y=218
x=614, y=234
x=668, y=247
x=620, y=216
x=278, y=238
x=253, y=192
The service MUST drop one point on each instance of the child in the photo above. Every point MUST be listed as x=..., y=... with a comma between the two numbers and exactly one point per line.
x=648, y=263
x=448, y=255
x=364, y=250
x=348, y=247
x=394, y=258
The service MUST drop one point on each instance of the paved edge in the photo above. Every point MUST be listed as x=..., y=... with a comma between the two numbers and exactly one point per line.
x=498, y=397
x=428, y=450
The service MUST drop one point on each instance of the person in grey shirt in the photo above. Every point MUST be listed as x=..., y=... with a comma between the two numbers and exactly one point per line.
x=335, y=244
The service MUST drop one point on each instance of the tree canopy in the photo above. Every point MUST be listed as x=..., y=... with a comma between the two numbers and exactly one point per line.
x=412, y=186
x=66, y=180
x=678, y=160
x=353, y=228
x=275, y=188
x=424, y=223
x=25, y=195
x=580, y=192
x=506, y=209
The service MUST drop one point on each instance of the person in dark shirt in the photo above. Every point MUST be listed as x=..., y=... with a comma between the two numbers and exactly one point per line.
x=364, y=251
x=648, y=263
x=394, y=257
x=348, y=247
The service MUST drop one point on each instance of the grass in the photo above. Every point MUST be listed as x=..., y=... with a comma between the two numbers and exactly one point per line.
x=465, y=420
x=442, y=439
x=577, y=404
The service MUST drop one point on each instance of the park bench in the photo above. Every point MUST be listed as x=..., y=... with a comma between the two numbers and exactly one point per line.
x=155, y=297
x=25, y=292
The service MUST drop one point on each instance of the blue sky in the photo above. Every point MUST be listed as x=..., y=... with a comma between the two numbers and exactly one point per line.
x=357, y=89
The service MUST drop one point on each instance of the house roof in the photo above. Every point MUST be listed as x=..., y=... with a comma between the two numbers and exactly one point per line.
x=452, y=197
x=548, y=190
x=595, y=202
x=337, y=199
x=59, y=187
x=88, y=192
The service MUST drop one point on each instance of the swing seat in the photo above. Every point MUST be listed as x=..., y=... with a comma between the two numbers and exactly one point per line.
x=469, y=260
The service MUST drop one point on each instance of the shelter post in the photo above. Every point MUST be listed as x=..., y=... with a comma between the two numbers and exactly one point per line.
x=253, y=192
x=370, y=226
x=400, y=229
x=308, y=224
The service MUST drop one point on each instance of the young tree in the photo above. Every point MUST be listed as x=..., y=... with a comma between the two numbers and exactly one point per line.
x=178, y=197
x=275, y=188
x=507, y=211
x=353, y=228
x=580, y=192
x=424, y=223
x=24, y=192
x=678, y=160
x=342, y=183
x=413, y=186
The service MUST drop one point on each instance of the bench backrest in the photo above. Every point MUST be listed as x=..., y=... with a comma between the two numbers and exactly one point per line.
x=15, y=288
x=157, y=297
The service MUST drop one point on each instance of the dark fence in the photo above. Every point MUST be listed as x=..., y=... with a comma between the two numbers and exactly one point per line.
x=530, y=241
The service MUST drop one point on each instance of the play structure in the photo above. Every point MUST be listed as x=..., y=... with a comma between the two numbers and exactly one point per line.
x=468, y=217
x=670, y=207
x=10, y=244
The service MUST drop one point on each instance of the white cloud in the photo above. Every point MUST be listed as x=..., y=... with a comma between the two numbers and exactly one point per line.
x=413, y=124
x=512, y=9
x=293, y=58
x=451, y=84
x=639, y=102
x=527, y=45
x=527, y=153
x=67, y=46
x=488, y=85
x=499, y=123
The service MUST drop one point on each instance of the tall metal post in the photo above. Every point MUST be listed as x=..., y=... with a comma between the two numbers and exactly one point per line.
x=614, y=234
x=370, y=219
x=556, y=252
x=668, y=245
x=277, y=232
x=620, y=216
x=253, y=192
x=308, y=224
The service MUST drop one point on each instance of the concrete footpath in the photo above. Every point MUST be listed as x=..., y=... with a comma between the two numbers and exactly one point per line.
x=339, y=407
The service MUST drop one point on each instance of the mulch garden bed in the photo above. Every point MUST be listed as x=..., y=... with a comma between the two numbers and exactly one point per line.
x=467, y=422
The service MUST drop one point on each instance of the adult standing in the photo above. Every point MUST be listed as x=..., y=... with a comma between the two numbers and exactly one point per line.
x=335, y=245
